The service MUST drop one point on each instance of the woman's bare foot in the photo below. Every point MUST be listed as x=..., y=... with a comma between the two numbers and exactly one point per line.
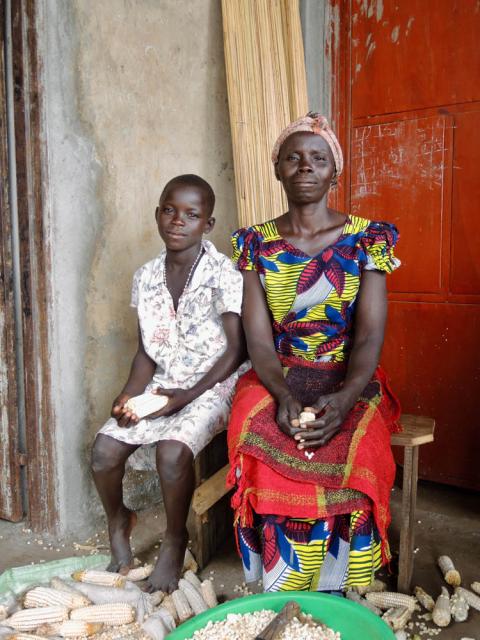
x=169, y=565
x=119, y=530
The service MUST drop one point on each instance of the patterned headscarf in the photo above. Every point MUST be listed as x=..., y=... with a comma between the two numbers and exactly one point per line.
x=318, y=125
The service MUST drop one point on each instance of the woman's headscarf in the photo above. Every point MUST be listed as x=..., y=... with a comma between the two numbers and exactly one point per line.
x=318, y=125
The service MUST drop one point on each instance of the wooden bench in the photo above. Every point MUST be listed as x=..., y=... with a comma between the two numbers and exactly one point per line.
x=417, y=430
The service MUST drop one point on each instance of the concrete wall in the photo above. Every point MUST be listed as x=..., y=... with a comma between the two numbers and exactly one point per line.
x=134, y=93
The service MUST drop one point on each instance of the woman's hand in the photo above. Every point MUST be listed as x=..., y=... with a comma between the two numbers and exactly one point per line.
x=122, y=415
x=177, y=400
x=288, y=412
x=332, y=409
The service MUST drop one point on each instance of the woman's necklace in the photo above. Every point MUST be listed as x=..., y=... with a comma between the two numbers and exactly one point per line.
x=190, y=273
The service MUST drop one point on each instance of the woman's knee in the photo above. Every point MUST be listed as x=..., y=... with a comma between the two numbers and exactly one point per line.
x=107, y=454
x=174, y=459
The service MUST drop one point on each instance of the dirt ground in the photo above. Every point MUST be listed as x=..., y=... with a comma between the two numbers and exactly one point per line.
x=448, y=522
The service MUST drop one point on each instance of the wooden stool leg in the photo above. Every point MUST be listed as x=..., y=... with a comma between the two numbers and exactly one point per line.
x=407, y=533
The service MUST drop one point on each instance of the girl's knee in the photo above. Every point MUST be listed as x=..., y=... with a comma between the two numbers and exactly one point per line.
x=173, y=459
x=105, y=456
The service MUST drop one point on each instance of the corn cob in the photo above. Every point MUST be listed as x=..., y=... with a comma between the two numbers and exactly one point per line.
x=192, y=578
x=194, y=596
x=397, y=617
x=114, y=614
x=388, y=599
x=144, y=606
x=450, y=574
x=169, y=605
x=374, y=587
x=146, y=403
x=306, y=416
x=356, y=597
x=472, y=599
x=29, y=619
x=156, y=597
x=208, y=593
x=104, y=578
x=45, y=597
x=459, y=607
x=108, y=595
x=155, y=628
x=189, y=562
x=184, y=610
x=70, y=629
x=441, y=615
x=140, y=573
x=425, y=600
x=475, y=586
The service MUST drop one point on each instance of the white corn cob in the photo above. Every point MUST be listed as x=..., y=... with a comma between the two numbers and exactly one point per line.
x=46, y=597
x=184, y=610
x=146, y=403
x=441, y=615
x=450, y=574
x=356, y=597
x=140, y=573
x=208, y=593
x=114, y=614
x=29, y=619
x=374, y=587
x=459, y=607
x=194, y=596
x=472, y=599
x=306, y=416
x=388, y=599
x=104, y=578
x=70, y=629
x=475, y=586
x=425, y=600
x=155, y=628
x=189, y=562
x=144, y=606
x=192, y=578
x=397, y=617
x=108, y=595
x=156, y=597
x=169, y=606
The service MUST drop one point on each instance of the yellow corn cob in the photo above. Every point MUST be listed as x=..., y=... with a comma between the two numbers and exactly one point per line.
x=29, y=619
x=45, y=597
x=472, y=599
x=184, y=610
x=459, y=607
x=375, y=587
x=75, y=628
x=113, y=614
x=194, y=597
x=189, y=562
x=104, y=578
x=389, y=599
x=425, y=600
x=475, y=586
x=450, y=574
x=208, y=593
x=192, y=578
x=441, y=615
x=169, y=606
x=140, y=573
x=397, y=617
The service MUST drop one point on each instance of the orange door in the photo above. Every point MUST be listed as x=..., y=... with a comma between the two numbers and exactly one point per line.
x=408, y=108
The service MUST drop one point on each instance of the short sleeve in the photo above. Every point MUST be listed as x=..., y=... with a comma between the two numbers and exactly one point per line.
x=245, y=249
x=228, y=295
x=135, y=288
x=378, y=243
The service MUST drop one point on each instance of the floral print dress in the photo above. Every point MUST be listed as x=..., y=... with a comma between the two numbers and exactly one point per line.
x=184, y=345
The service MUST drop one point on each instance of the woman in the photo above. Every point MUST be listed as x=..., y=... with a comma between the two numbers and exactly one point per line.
x=312, y=500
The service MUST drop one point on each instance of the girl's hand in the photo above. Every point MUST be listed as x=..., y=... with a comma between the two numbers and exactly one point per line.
x=288, y=412
x=333, y=409
x=177, y=400
x=123, y=416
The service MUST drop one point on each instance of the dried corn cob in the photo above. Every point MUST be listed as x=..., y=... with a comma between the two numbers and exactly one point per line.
x=208, y=592
x=459, y=607
x=397, y=617
x=450, y=574
x=140, y=573
x=46, y=597
x=475, y=586
x=441, y=615
x=425, y=600
x=70, y=629
x=184, y=610
x=169, y=606
x=192, y=578
x=144, y=606
x=389, y=599
x=472, y=599
x=189, y=562
x=104, y=578
x=156, y=597
x=146, y=403
x=194, y=596
x=375, y=587
x=113, y=614
x=29, y=619
x=155, y=628
x=356, y=597
x=107, y=595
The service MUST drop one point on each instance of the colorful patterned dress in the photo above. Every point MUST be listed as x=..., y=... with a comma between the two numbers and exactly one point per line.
x=313, y=520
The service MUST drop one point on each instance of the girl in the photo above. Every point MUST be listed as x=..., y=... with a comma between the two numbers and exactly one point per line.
x=190, y=344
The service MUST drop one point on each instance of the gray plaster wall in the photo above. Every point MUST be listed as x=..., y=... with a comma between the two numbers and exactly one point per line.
x=133, y=93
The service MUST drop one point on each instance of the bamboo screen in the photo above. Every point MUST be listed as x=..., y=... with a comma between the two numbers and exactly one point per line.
x=267, y=89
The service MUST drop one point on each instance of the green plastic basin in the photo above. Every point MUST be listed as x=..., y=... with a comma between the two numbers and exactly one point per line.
x=352, y=620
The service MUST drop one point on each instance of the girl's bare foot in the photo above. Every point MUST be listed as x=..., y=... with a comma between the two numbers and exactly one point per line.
x=119, y=530
x=168, y=568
